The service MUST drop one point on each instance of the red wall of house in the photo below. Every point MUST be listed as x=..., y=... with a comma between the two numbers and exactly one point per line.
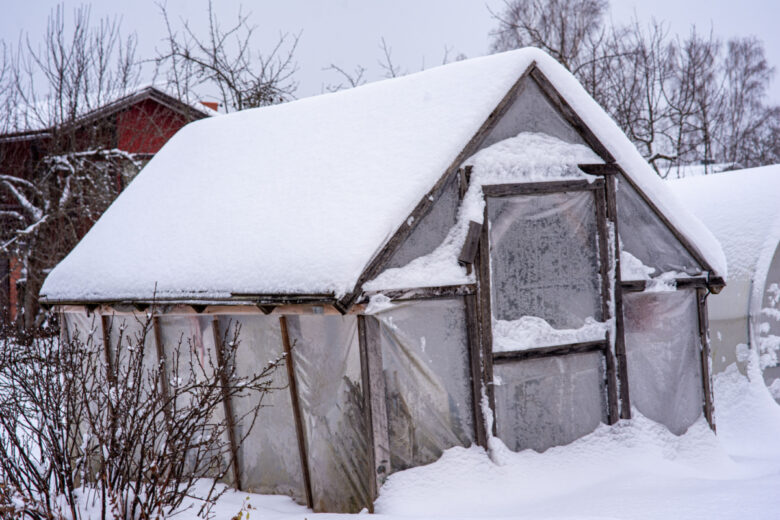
x=146, y=126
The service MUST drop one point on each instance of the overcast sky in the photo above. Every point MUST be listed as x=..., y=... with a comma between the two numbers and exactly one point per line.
x=348, y=32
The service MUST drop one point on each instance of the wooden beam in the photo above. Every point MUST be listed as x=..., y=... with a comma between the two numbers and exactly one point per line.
x=599, y=169
x=162, y=365
x=110, y=365
x=620, y=339
x=297, y=415
x=471, y=245
x=374, y=403
x=570, y=115
x=706, y=377
x=606, y=298
x=476, y=363
x=485, y=316
x=227, y=403
x=500, y=358
x=538, y=188
x=377, y=263
x=423, y=293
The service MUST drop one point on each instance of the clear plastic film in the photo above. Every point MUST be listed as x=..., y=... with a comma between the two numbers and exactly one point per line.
x=131, y=331
x=663, y=351
x=425, y=358
x=84, y=328
x=269, y=460
x=549, y=401
x=544, y=258
x=646, y=237
x=326, y=355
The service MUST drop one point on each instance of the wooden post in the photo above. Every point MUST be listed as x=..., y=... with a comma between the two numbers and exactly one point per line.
x=296, y=406
x=227, y=403
x=485, y=316
x=106, y=328
x=162, y=365
x=620, y=339
x=374, y=404
x=476, y=363
x=709, y=408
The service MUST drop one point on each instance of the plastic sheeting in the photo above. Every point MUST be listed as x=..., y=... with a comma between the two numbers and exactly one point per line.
x=544, y=258
x=127, y=331
x=268, y=457
x=84, y=328
x=663, y=351
x=425, y=359
x=550, y=401
x=326, y=357
x=647, y=238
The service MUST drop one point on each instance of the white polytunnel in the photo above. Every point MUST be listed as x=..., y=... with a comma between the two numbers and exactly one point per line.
x=467, y=255
x=742, y=209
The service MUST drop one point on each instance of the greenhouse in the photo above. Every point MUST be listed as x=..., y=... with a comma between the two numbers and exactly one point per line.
x=471, y=251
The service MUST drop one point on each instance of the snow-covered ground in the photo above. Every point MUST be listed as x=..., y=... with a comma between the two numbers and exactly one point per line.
x=633, y=470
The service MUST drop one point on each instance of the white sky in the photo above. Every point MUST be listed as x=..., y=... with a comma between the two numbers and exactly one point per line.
x=348, y=32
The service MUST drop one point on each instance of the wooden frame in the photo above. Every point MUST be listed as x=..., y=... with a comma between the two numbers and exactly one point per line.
x=709, y=408
x=374, y=404
x=599, y=189
x=297, y=415
x=227, y=403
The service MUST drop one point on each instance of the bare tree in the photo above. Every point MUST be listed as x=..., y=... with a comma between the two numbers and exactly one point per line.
x=226, y=64
x=84, y=422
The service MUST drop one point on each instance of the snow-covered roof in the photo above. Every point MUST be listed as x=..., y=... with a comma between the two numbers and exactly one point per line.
x=298, y=198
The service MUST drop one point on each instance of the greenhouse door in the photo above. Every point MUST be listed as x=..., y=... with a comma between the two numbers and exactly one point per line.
x=548, y=281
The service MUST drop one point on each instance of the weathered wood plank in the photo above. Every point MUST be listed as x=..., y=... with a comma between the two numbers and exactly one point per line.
x=620, y=339
x=227, y=403
x=599, y=169
x=297, y=415
x=471, y=245
x=422, y=293
x=542, y=352
x=484, y=315
x=706, y=376
x=536, y=188
x=475, y=365
x=374, y=402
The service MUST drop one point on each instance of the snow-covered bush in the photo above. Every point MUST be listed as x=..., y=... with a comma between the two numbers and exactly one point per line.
x=127, y=438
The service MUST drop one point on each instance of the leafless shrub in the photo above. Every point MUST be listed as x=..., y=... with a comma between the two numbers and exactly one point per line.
x=128, y=437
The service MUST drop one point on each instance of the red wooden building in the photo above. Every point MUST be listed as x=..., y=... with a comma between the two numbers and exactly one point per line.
x=139, y=123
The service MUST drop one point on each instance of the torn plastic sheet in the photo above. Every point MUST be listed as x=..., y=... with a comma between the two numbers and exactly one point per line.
x=326, y=355
x=663, y=351
x=268, y=457
x=425, y=359
x=550, y=401
x=544, y=258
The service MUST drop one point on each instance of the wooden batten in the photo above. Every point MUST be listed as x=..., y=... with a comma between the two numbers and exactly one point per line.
x=600, y=169
x=485, y=317
x=471, y=245
x=227, y=402
x=419, y=293
x=542, y=352
x=476, y=363
x=373, y=381
x=706, y=376
x=539, y=188
x=297, y=415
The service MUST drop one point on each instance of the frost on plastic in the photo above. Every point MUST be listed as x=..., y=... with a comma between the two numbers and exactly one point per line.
x=269, y=459
x=544, y=258
x=550, y=401
x=645, y=237
x=426, y=366
x=664, y=357
x=327, y=369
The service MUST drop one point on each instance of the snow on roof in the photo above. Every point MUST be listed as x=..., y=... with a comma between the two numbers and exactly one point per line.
x=297, y=198
x=739, y=207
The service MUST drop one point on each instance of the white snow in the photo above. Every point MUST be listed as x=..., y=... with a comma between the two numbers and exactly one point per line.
x=632, y=268
x=532, y=332
x=297, y=198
